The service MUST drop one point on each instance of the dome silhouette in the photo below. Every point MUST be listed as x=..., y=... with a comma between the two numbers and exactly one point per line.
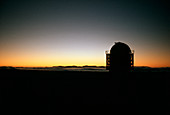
x=120, y=58
x=120, y=48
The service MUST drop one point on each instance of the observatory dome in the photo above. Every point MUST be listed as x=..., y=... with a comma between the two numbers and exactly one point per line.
x=121, y=58
x=120, y=47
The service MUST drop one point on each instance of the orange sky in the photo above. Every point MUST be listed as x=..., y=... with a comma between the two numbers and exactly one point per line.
x=36, y=59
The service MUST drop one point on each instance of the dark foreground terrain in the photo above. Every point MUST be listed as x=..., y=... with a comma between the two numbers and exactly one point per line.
x=49, y=92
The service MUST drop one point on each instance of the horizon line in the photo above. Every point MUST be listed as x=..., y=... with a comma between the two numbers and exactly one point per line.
x=78, y=66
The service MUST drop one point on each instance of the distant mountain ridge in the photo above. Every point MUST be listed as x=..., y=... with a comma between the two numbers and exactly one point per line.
x=85, y=68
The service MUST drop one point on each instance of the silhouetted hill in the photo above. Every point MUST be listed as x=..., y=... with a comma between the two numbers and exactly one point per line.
x=51, y=92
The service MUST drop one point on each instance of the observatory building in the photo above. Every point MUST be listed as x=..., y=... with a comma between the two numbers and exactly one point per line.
x=120, y=58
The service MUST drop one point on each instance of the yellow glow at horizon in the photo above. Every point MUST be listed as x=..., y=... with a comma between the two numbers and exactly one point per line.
x=38, y=61
x=41, y=59
x=34, y=61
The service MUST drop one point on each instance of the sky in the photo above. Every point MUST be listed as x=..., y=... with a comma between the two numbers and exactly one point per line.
x=77, y=32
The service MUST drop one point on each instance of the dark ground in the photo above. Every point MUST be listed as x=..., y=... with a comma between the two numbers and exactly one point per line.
x=50, y=92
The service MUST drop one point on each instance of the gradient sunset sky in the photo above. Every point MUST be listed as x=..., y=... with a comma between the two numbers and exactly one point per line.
x=77, y=32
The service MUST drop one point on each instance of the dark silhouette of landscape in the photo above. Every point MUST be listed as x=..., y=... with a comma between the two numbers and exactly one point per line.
x=50, y=92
